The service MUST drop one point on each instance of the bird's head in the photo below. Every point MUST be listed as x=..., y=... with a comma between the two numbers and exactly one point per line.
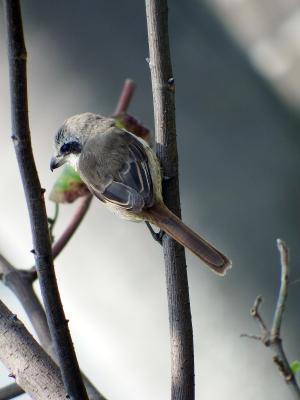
x=71, y=137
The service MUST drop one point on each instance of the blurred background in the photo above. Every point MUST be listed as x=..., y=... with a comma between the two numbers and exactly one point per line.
x=236, y=67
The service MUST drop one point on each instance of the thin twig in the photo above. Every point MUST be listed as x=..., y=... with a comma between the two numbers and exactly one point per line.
x=34, y=194
x=254, y=337
x=254, y=312
x=283, y=292
x=72, y=226
x=271, y=338
x=77, y=217
x=163, y=88
x=125, y=97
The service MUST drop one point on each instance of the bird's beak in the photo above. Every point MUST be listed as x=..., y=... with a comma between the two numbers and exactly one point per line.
x=56, y=161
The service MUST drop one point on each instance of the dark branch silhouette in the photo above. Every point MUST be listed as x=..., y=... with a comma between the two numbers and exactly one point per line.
x=58, y=325
x=163, y=88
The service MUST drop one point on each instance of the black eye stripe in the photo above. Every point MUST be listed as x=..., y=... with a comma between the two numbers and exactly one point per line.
x=65, y=148
x=71, y=147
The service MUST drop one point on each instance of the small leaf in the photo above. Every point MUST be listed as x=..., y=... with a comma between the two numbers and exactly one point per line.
x=126, y=121
x=68, y=187
x=295, y=366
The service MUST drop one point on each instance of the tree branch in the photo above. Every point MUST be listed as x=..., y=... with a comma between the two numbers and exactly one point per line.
x=163, y=88
x=27, y=362
x=283, y=292
x=271, y=338
x=125, y=97
x=35, y=203
x=73, y=225
x=75, y=221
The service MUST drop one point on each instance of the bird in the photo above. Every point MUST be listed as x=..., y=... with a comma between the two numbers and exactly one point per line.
x=122, y=171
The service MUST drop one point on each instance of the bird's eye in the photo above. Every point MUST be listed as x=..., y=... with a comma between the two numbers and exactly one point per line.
x=65, y=148
x=71, y=147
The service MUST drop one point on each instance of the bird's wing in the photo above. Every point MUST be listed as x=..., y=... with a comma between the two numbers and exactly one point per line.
x=115, y=167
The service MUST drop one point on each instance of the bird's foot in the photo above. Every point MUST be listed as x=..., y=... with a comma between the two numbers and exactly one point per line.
x=157, y=236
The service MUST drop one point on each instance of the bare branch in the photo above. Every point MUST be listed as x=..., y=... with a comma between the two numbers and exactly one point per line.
x=73, y=225
x=27, y=362
x=21, y=285
x=283, y=292
x=271, y=338
x=125, y=97
x=254, y=337
x=163, y=88
x=75, y=221
x=57, y=323
x=254, y=312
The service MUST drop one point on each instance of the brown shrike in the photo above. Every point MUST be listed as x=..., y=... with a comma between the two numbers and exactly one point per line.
x=123, y=172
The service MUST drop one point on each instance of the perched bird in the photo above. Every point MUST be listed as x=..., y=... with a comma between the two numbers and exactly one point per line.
x=122, y=171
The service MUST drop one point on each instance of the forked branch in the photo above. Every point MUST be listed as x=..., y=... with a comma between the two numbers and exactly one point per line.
x=271, y=337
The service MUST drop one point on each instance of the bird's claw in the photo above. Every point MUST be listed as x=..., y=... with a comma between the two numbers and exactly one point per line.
x=157, y=236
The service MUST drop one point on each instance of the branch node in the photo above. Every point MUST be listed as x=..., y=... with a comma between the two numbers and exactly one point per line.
x=15, y=140
x=282, y=368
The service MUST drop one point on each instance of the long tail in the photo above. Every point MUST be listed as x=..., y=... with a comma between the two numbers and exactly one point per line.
x=161, y=216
